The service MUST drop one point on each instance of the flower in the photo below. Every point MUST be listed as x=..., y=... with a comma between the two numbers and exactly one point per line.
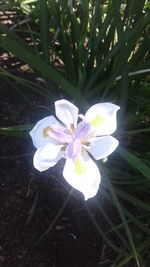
x=66, y=138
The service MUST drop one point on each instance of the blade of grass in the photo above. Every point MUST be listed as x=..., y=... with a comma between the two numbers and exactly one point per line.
x=101, y=233
x=12, y=35
x=28, y=84
x=62, y=13
x=18, y=91
x=44, y=29
x=45, y=36
x=134, y=161
x=109, y=221
x=13, y=133
x=134, y=200
x=17, y=131
x=18, y=128
x=123, y=59
x=46, y=69
x=134, y=132
x=120, y=210
x=142, y=246
x=92, y=38
x=131, y=218
x=137, y=222
x=130, y=35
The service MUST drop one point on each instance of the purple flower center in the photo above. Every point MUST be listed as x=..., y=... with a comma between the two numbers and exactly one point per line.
x=72, y=140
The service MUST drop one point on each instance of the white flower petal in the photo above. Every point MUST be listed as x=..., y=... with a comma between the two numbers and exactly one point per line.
x=103, y=118
x=102, y=147
x=37, y=133
x=47, y=156
x=67, y=113
x=83, y=174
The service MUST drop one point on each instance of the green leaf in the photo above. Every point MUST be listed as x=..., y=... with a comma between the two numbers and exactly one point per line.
x=143, y=245
x=132, y=199
x=27, y=84
x=100, y=231
x=17, y=131
x=122, y=215
x=12, y=133
x=135, y=162
x=47, y=70
x=44, y=29
x=18, y=128
x=136, y=131
x=18, y=91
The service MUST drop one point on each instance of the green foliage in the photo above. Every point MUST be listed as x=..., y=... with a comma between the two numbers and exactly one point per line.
x=96, y=50
x=18, y=131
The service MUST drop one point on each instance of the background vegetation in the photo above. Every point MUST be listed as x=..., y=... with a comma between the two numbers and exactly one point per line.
x=91, y=51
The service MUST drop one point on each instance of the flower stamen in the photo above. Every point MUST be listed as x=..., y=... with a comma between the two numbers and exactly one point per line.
x=72, y=128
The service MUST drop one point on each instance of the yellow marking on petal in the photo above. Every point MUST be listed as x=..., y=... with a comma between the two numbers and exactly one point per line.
x=97, y=121
x=79, y=167
x=45, y=130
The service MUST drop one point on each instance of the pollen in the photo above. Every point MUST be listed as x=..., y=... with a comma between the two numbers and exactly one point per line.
x=98, y=120
x=79, y=167
x=45, y=130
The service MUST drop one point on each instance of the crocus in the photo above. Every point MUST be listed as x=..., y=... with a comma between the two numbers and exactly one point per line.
x=66, y=138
